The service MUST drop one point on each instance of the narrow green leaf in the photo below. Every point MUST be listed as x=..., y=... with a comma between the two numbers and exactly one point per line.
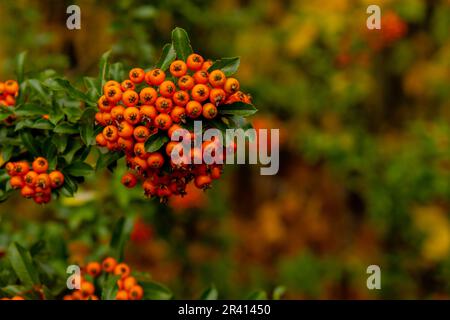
x=30, y=109
x=104, y=70
x=229, y=66
x=120, y=236
x=79, y=169
x=210, y=293
x=109, y=289
x=258, y=295
x=29, y=143
x=22, y=264
x=181, y=43
x=87, y=126
x=106, y=159
x=155, y=142
x=238, y=109
x=71, y=90
x=60, y=141
x=42, y=124
x=167, y=57
x=116, y=72
x=155, y=291
x=66, y=128
x=20, y=66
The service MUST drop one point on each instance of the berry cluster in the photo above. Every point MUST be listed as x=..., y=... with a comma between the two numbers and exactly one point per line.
x=35, y=181
x=128, y=287
x=13, y=298
x=8, y=92
x=152, y=102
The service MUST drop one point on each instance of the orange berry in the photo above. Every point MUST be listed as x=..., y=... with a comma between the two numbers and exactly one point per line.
x=201, y=76
x=11, y=87
x=202, y=181
x=148, y=96
x=163, y=121
x=178, y=68
x=186, y=82
x=27, y=191
x=16, y=182
x=141, y=133
x=56, y=179
x=43, y=180
x=117, y=113
x=194, y=61
x=206, y=65
x=155, y=160
x=94, y=269
x=40, y=165
x=163, y=105
x=200, y=92
x=137, y=75
x=217, y=78
x=17, y=298
x=127, y=85
x=87, y=288
x=125, y=144
x=103, y=104
x=113, y=94
x=130, y=98
x=110, y=133
x=129, y=180
x=122, y=270
x=180, y=98
x=178, y=114
x=148, y=112
x=100, y=140
x=128, y=283
x=132, y=115
x=155, y=77
x=193, y=109
x=136, y=293
x=110, y=83
x=125, y=129
x=217, y=96
x=22, y=168
x=122, y=295
x=231, y=86
x=167, y=89
x=209, y=111
x=109, y=264
x=139, y=150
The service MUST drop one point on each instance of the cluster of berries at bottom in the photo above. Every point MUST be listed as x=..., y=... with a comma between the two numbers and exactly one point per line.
x=34, y=181
x=152, y=102
x=128, y=286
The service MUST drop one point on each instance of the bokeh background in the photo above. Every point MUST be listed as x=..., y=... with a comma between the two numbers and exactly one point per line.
x=365, y=156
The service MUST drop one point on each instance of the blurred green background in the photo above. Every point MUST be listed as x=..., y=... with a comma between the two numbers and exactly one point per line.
x=365, y=156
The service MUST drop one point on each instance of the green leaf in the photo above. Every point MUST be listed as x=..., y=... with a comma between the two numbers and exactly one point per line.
x=167, y=57
x=79, y=169
x=22, y=264
x=181, y=43
x=238, y=109
x=20, y=66
x=71, y=90
x=37, y=87
x=65, y=127
x=155, y=142
x=42, y=124
x=278, y=292
x=87, y=126
x=155, y=291
x=229, y=66
x=70, y=186
x=50, y=151
x=73, y=145
x=7, y=152
x=30, y=109
x=120, y=236
x=5, y=113
x=116, y=72
x=60, y=141
x=258, y=295
x=29, y=143
x=109, y=289
x=106, y=159
x=210, y=293
x=104, y=71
